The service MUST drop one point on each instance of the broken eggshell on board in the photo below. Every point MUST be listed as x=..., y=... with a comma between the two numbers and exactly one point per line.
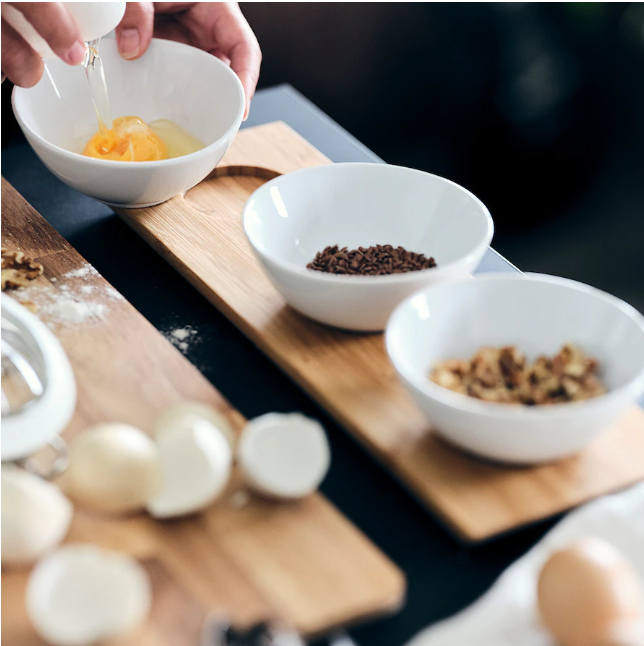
x=284, y=456
x=196, y=460
x=35, y=516
x=113, y=468
x=186, y=411
x=83, y=594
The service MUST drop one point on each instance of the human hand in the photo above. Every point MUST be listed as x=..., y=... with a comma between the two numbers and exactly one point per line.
x=21, y=64
x=218, y=28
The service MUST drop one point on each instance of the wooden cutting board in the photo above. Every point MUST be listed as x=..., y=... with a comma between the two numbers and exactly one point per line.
x=349, y=374
x=302, y=562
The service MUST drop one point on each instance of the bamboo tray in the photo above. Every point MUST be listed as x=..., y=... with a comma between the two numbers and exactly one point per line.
x=200, y=234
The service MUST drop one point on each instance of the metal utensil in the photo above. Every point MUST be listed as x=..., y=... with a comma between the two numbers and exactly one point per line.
x=217, y=631
x=20, y=381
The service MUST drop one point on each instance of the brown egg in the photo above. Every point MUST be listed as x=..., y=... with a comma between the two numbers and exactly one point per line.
x=625, y=633
x=586, y=589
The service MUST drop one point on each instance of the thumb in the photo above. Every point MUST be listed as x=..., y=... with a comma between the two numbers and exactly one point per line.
x=134, y=33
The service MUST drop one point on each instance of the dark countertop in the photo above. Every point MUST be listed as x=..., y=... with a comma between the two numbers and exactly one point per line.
x=443, y=576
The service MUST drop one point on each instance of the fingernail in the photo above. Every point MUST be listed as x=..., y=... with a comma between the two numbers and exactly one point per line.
x=76, y=54
x=129, y=43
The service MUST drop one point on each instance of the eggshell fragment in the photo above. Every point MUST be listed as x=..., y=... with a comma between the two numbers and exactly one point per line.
x=82, y=594
x=113, y=468
x=586, y=589
x=196, y=459
x=284, y=456
x=187, y=411
x=35, y=516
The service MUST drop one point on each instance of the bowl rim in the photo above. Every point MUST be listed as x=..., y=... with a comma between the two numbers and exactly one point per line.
x=128, y=165
x=491, y=410
x=471, y=257
x=48, y=416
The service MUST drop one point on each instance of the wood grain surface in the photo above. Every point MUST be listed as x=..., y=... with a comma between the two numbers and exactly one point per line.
x=302, y=562
x=349, y=374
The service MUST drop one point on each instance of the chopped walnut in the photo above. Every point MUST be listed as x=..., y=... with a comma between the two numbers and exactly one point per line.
x=503, y=375
x=17, y=270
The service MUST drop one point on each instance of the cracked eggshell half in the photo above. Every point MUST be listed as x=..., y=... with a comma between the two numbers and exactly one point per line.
x=196, y=460
x=82, y=594
x=113, y=468
x=184, y=412
x=284, y=456
x=35, y=516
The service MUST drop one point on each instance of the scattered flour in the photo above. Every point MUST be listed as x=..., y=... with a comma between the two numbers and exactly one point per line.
x=77, y=299
x=181, y=333
x=182, y=337
x=68, y=310
x=113, y=295
x=82, y=272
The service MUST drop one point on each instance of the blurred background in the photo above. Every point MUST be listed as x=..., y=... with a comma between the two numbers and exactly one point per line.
x=537, y=108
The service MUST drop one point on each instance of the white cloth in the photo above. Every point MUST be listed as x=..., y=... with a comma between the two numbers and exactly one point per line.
x=506, y=615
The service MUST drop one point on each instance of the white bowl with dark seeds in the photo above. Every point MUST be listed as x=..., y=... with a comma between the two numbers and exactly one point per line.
x=387, y=222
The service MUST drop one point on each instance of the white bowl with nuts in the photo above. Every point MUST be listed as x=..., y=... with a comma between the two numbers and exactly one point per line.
x=533, y=367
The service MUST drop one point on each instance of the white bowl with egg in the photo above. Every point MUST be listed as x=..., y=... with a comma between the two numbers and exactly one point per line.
x=170, y=81
x=538, y=314
x=294, y=216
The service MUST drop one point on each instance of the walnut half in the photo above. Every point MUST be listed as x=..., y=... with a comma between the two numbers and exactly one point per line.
x=17, y=270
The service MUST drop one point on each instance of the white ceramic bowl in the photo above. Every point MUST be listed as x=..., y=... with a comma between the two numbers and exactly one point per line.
x=538, y=314
x=29, y=429
x=170, y=81
x=289, y=219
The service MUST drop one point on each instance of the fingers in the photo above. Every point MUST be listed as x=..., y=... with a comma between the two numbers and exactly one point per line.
x=167, y=28
x=134, y=33
x=172, y=7
x=245, y=61
x=20, y=63
x=235, y=37
x=56, y=25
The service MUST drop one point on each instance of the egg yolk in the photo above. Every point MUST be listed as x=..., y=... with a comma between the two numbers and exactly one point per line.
x=129, y=140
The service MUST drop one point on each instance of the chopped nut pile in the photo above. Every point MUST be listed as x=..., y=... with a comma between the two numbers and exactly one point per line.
x=17, y=270
x=370, y=261
x=503, y=375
